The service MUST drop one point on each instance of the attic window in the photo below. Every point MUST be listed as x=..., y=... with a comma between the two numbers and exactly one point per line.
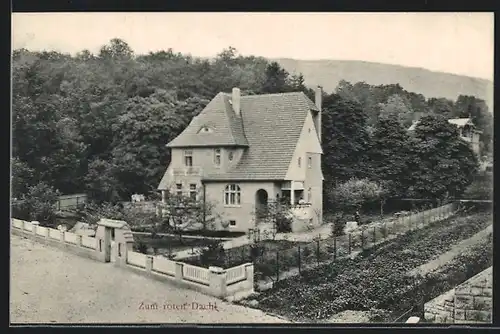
x=206, y=129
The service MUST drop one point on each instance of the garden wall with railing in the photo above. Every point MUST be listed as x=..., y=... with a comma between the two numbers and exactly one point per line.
x=215, y=281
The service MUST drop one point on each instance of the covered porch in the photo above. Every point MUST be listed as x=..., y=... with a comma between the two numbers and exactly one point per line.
x=294, y=193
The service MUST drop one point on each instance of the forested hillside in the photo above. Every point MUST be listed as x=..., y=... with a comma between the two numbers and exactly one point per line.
x=328, y=73
x=99, y=123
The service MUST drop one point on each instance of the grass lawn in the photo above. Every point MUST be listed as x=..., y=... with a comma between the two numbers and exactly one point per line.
x=377, y=279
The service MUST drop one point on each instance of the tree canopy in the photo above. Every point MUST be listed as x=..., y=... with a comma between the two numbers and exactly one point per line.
x=98, y=123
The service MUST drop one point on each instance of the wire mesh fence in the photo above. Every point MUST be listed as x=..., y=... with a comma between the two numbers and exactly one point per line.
x=277, y=259
x=276, y=264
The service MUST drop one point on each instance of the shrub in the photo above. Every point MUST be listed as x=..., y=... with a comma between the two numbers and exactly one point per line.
x=338, y=225
x=306, y=251
x=141, y=247
x=354, y=193
x=256, y=251
x=283, y=224
x=38, y=204
x=213, y=254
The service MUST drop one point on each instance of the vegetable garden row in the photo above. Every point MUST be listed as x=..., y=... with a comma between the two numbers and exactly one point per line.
x=377, y=279
x=275, y=259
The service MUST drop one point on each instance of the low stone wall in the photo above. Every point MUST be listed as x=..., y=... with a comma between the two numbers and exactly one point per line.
x=214, y=281
x=48, y=236
x=470, y=302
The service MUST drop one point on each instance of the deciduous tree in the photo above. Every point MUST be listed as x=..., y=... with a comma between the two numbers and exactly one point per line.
x=441, y=163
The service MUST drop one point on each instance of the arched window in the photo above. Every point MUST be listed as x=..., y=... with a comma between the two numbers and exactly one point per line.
x=232, y=195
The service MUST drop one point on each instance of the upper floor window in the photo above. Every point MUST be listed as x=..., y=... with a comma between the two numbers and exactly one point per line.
x=309, y=162
x=179, y=189
x=192, y=191
x=299, y=161
x=230, y=156
x=232, y=194
x=217, y=155
x=188, y=158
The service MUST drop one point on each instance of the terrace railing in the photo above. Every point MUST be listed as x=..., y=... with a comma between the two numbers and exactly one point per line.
x=195, y=274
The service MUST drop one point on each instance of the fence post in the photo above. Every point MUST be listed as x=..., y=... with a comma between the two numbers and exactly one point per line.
x=149, y=264
x=349, y=243
x=334, y=248
x=374, y=235
x=35, y=227
x=317, y=251
x=277, y=266
x=362, y=239
x=300, y=269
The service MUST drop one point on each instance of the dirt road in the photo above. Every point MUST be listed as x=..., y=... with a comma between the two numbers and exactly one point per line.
x=49, y=285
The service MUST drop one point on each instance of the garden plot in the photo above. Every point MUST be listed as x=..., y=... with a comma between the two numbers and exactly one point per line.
x=378, y=279
x=457, y=249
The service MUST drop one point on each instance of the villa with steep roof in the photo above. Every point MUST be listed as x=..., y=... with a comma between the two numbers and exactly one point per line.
x=467, y=131
x=241, y=152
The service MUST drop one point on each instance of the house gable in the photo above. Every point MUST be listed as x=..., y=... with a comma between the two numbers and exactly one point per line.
x=272, y=124
x=308, y=143
x=216, y=125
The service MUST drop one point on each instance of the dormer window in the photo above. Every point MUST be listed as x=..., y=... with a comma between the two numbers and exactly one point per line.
x=230, y=156
x=217, y=156
x=299, y=161
x=206, y=129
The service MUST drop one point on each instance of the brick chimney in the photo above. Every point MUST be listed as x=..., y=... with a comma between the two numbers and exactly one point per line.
x=235, y=100
x=318, y=101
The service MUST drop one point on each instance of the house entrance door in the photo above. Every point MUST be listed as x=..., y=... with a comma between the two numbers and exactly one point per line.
x=261, y=200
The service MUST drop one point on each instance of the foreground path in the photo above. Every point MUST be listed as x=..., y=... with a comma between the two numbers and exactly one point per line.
x=456, y=250
x=49, y=285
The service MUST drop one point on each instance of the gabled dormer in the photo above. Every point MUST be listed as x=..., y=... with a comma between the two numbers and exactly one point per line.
x=218, y=125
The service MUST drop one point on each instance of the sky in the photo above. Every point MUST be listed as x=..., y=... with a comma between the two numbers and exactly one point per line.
x=458, y=43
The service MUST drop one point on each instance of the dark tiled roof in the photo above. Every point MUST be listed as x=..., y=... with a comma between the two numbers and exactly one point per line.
x=270, y=125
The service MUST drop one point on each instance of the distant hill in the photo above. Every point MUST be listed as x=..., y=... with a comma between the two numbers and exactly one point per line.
x=328, y=73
